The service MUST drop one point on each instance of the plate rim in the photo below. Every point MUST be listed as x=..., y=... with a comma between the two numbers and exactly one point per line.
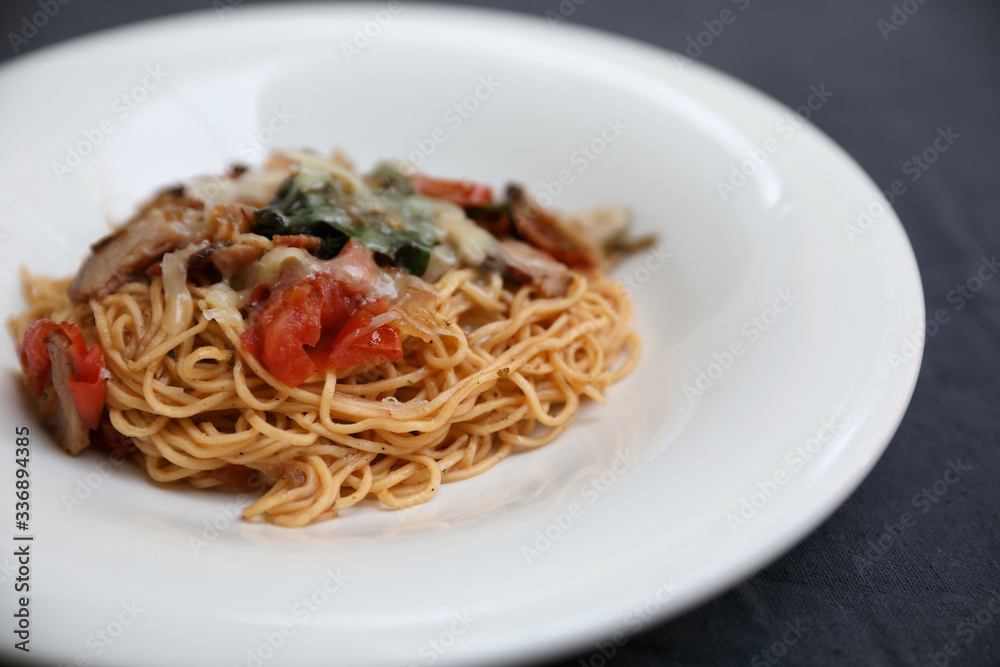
x=575, y=638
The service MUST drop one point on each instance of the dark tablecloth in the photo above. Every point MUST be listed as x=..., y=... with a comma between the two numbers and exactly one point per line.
x=907, y=571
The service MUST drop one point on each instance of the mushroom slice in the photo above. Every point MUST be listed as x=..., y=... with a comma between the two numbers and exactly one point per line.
x=60, y=415
x=527, y=264
x=170, y=221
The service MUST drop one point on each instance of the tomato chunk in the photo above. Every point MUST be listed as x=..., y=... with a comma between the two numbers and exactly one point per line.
x=89, y=386
x=360, y=344
x=290, y=323
x=318, y=324
x=462, y=193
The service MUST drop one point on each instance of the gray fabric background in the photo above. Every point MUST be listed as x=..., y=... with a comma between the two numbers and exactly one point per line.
x=932, y=588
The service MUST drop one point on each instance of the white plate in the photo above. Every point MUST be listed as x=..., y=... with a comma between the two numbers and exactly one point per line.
x=638, y=499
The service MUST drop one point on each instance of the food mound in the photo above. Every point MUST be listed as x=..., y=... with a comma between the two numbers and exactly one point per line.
x=324, y=337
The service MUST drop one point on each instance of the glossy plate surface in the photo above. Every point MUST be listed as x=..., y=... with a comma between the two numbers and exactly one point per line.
x=782, y=337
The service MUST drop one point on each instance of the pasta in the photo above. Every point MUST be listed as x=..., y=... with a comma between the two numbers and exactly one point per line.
x=207, y=383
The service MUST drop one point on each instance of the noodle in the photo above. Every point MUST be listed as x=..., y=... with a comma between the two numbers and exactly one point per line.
x=505, y=369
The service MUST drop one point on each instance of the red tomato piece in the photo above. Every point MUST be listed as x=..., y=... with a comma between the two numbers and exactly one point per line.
x=291, y=322
x=358, y=344
x=89, y=386
x=462, y=193
x=35, y=353
x=338, y=304
x=250, y=339
x=317, y=324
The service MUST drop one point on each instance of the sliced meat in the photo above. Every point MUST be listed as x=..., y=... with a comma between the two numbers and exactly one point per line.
x=547, y=232
x=525, y=264
x=170, y=221
x=60, y=415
